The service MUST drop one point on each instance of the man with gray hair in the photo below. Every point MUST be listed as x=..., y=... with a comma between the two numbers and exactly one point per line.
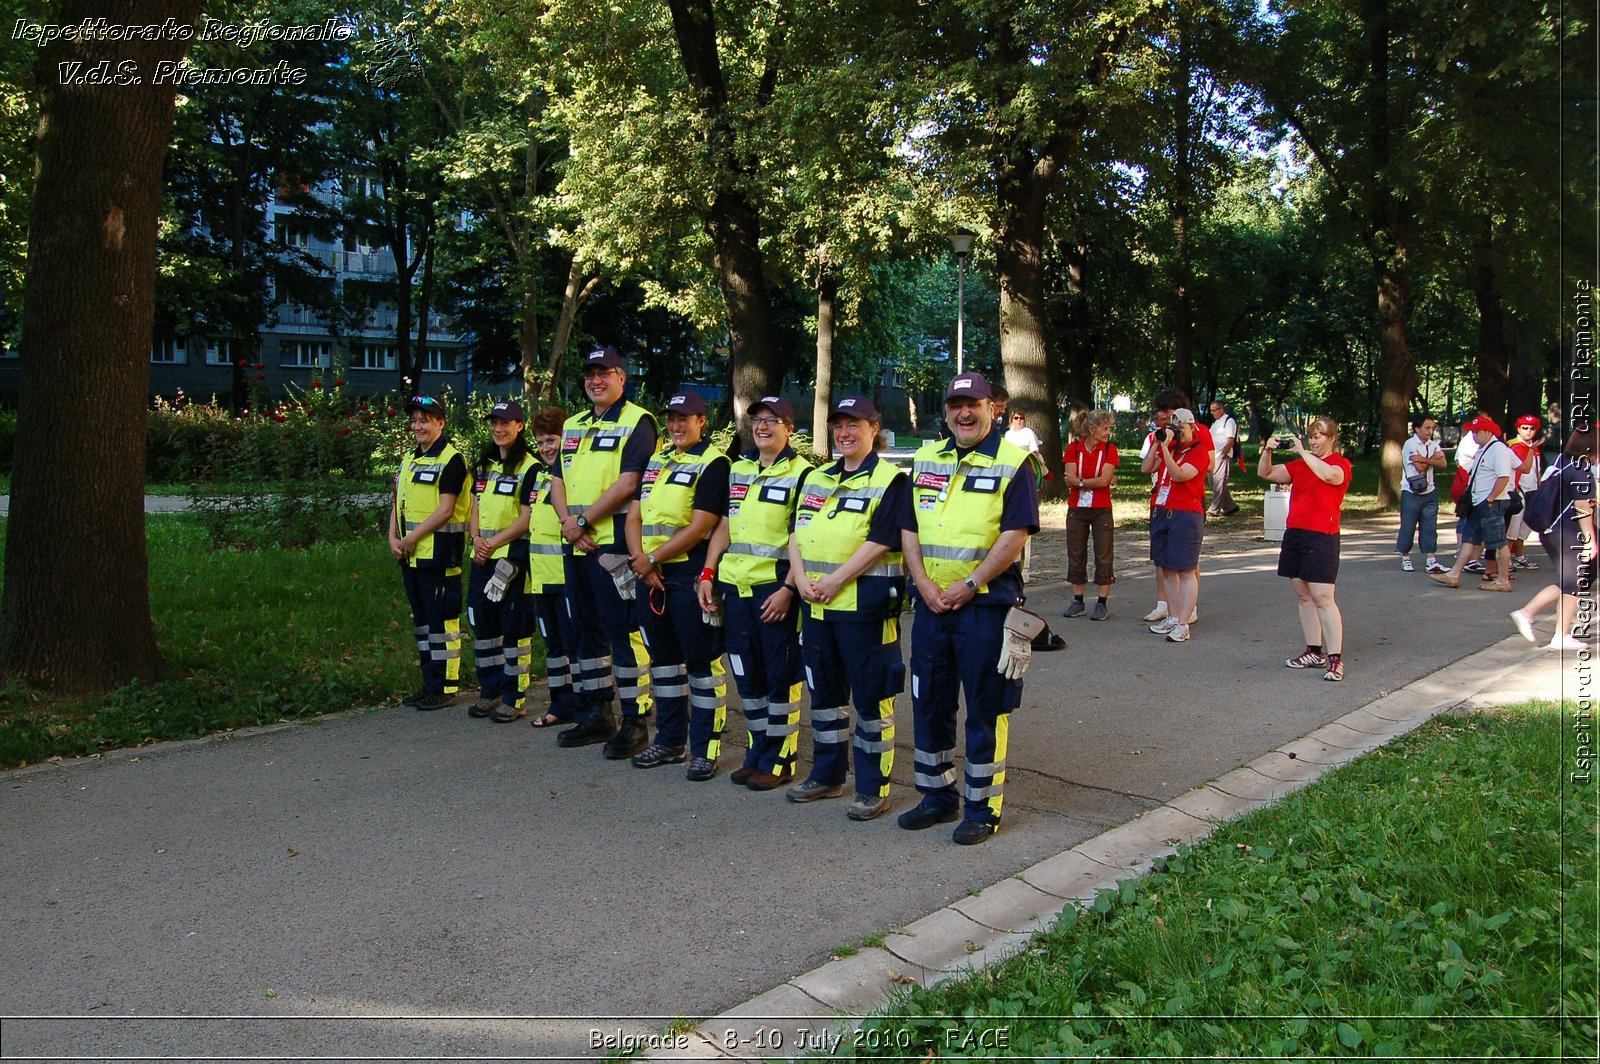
x=1225, y=447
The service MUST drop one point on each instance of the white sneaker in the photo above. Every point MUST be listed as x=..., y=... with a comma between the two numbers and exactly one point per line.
x=1194, y=615
x=1405, y=564
x=1566, y=643
x=1166, y=626
x=1179, y=634
x=1524, y=629
x=1157, y=614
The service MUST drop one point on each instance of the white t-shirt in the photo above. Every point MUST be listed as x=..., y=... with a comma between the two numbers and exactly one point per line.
x=1415, y=448
x=1222, y=430
x=1025, y=438
x=1466, y=450
x=1496, y=461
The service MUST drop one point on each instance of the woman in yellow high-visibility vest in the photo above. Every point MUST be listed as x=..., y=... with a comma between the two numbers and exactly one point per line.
x=846, y=559
x=502, y=486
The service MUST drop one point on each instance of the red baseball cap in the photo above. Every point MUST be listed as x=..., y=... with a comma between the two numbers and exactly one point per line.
x=1528, y=419
x=1482, y=423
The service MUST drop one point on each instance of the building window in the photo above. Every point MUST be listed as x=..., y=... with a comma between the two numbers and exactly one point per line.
x=219, y=352
x=289, y=235
x=440, y=360
x=169, y=353
x=372, y=356
x=307, y=354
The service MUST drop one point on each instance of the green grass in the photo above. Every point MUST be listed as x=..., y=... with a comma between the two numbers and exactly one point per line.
x=251, y=638
x=1435, y=898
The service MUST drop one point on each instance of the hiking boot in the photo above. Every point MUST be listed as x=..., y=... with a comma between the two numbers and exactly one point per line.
x=741, y=775
x=504, y=714
x=1100, y=612
x=595, y=728
x=427, y=703
x=631, y=738
x=412, y=700
x=701, y=769
x=1075, y=608
x=972, y=832
x=1309, y=659
x=482, y=707
x=927, y=813
x=813, y=790
x=769, y=781
x=866, y=807
x=656, y=755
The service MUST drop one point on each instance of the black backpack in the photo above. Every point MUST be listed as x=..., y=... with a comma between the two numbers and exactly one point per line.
x=1543, y=507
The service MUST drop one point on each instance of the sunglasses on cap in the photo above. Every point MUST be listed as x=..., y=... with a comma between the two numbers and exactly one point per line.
x=424, y=400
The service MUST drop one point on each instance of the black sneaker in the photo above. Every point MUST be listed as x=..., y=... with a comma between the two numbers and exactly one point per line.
x=972, y=832
x=412, y=700
x=701, y=769
x=427, y=703
x=1075, y=608
x=483, y=707
x=631, y=738
x=656, y=755
x=927, y=813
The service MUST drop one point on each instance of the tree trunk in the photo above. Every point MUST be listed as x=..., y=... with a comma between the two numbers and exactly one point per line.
x=1391, y=224
x=822, y=398
x=1029, y=373
x=528, y=333
x=425, y=299
x=577, y=290
x=75, y=612
x=734, y=220
x=1182, y=194
x=1494, y=348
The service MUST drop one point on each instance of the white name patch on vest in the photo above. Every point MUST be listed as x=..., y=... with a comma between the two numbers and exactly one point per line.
x=853, y=506
x=425, y=476
x=606, y=443
x=778, y=495
x=505, y=487
x=987, y=485
x=682, y=476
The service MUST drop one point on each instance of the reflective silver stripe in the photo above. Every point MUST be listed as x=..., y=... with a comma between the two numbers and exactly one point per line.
x=997, y=470
x=555, y=663
x=838, y=738
x=876, y=727
x=629, y=692
x=756, y=550
x=486, y=644
x=777, y=730
x=448, y=526
x=755, y=705
x=826, y=716
x=822, y=567
x=658, y=530
x=544, y=548
x=941, y=468
x=934, y=758
x=515, y=670
x=576, y=508
x=944, y=779
x=486, y=661
x=628, y=672
x=557, y=680
x=594, y=664
x=955, y=554
x=444, y=655
x=975, y=770
x=879, y=747
x=706, y=701
x=978, y=794
x=487, y=532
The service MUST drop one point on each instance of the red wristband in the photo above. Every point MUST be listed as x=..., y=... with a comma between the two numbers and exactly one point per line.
x=708, y=573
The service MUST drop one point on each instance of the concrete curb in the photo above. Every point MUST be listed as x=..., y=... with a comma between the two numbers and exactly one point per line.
x=812, y=1012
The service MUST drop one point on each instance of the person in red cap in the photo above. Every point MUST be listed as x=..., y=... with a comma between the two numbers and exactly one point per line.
x=1525, y=479
x=1483, y=526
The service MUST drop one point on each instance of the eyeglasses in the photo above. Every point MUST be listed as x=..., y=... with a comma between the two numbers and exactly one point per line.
x=765, y=422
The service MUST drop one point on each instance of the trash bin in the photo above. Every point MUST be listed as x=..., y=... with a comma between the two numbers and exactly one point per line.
x=1275, y=513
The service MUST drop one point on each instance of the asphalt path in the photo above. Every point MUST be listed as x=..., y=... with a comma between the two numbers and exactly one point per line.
x=423, y=885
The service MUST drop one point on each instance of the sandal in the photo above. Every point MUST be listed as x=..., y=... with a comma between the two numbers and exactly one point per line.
x=550, y=720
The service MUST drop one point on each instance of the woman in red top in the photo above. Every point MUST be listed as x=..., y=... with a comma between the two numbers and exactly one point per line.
x=1310, y=554
x=1090, y=465
x=1177, y=518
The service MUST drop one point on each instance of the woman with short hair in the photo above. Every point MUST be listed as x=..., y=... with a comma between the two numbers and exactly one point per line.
x=1309, y=556
x=1090, y=466
x=1570, y=542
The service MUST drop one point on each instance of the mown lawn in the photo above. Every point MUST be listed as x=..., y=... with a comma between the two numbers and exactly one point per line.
x=251, y=638
x=1435, y=899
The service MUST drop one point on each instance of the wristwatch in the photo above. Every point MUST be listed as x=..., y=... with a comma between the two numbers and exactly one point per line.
x=973, y=584
x=583, y=522
x=651, y=558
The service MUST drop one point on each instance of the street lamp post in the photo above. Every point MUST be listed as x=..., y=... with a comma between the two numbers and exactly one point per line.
x=961, y=241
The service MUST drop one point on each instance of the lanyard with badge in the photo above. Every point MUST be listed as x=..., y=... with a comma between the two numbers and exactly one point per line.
x=1086, y=495
x=1164, y=477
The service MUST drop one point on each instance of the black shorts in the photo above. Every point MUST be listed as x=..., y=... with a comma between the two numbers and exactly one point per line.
x=1310, y=556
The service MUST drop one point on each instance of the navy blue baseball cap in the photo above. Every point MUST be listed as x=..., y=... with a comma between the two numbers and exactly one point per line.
x=427, y=404
x=687, y=403
x=968, y=386
x=855, y=406
x=604, y=356
x=777, y=407
x=506, y=410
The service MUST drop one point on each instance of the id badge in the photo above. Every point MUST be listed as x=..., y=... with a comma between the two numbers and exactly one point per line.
x=1086, y=497
x=1161, y=495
